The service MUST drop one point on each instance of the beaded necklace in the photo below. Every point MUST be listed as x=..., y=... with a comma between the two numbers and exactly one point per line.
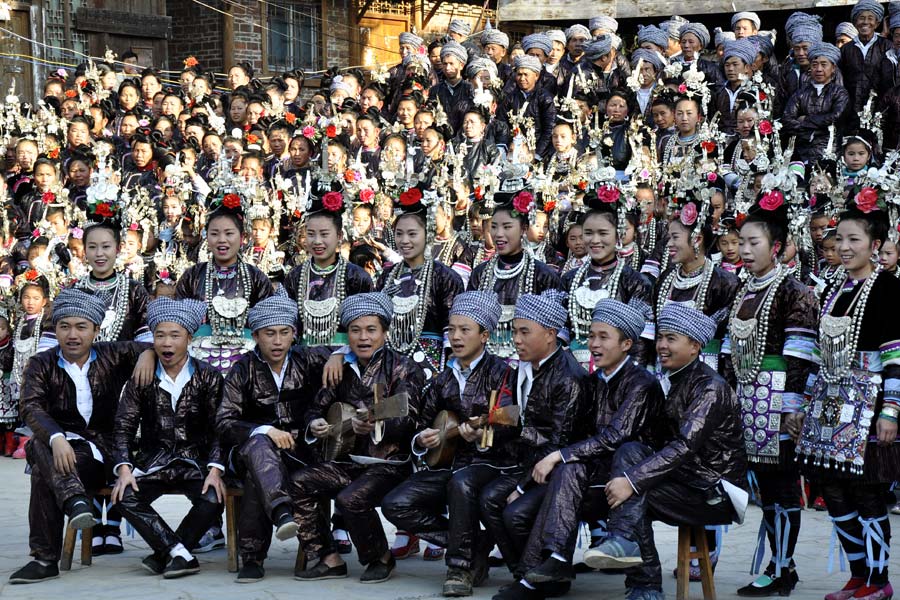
x=227, y=315
x=650, y=230
x=581, y=310
x=445, y=254
x=699, y=282
x=500, y=343
x=116, y=294
x=632, y=255
x=839, y=336
x=320, y=318
x=409, y=311
x=25, y=349
x=748, y=337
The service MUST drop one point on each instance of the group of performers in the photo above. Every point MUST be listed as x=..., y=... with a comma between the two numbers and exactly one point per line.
x=494, y=300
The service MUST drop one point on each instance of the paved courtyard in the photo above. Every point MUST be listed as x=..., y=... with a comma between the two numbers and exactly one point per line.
x=121, y=576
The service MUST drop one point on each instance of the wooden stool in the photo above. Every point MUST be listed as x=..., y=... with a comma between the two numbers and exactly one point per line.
x=685, y=535
x=232, y=506
x=68, y=551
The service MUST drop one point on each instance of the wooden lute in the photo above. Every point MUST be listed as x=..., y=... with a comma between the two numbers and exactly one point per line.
x=447, y=423
x=341, y=438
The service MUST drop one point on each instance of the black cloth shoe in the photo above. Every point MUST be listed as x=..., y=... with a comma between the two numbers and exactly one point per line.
x=517, y=591
x=80, y=512
x=179, y=567
x=250, y=572
x=285, y=526
x=549, y=571
x=114, y=548
x=378, y=571
x=156, y=563
x=321, y=571
x=555, y=589
x=35, y=572
x=458, y=583
x=769, y=585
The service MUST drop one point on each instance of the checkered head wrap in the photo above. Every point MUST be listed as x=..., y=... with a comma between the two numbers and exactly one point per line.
x=743, y=49
x=847, y=29
x=746, y=16
x=460, y=26
x=455, y=49
x=412, y=39
x=826, y=50
x=187, y=313
x=539, y=41
x=274, y=311
x=370, y=304
x=481, y=64
x=528, y=62
x=698, y=29
x=545, y=309
x=723, y=36
x=680, y=318
x=494, y=36
x=605, y=23
x=481, y=307
x=654, y=35
x=601, y=46
x=556, y=35
x=72, y=302
x=870, y=5
x=578, y=30
x=627, y=318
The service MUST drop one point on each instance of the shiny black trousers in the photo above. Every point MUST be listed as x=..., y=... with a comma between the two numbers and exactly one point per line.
x=185, y=479
x=50, y=490
x=509, y=523
x=569, y=500
x=357, y=491
x=673, y=501
x=266, y=473
x=418, y=505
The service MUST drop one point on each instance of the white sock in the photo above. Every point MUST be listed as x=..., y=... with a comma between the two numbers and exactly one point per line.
x=97, y=541
x=340, y=535
x=558, y=557
x=181, y=551
x=113, y=540
x=496, y=552
x=401, y=540
x=526, y=584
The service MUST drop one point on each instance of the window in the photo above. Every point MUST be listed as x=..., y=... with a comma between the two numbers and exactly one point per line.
x=294, y=29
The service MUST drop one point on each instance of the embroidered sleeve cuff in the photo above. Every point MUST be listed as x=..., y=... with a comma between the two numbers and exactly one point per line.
x=343, y=350
x=651, y=267
x=726, y=344
x=890, y=353
x=791, y=403
x=649, y=332
x=892, y=390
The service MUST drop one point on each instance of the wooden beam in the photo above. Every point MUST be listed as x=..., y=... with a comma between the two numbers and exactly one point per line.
x=227, y=40
x=578, y=10
x=431, y=13
x=365, y=8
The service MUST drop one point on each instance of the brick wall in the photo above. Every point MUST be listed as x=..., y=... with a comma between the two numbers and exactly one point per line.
x=337, y=32
x=196, y=31
x=248, y=35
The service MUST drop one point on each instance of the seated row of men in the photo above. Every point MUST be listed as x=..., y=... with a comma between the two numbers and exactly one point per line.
x=533, y=446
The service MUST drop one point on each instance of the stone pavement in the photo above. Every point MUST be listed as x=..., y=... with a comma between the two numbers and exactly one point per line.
x=121, y=577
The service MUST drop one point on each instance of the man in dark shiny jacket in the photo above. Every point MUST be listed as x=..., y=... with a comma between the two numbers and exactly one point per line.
x=627, y=400
x=379, y=458
x=699, y=461
x=464, y=388
x=69, y=398
x=538, y=104
x=549, y=386
x=265, y=398
x=176, y=415
x=862, y=60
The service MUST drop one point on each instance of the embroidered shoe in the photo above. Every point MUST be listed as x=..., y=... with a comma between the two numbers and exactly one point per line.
x=408, y=549
x=873, y=592
x=848, y=590
x=766, y=585
x=614, y=553
x=694, y=571
x=433, y=553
